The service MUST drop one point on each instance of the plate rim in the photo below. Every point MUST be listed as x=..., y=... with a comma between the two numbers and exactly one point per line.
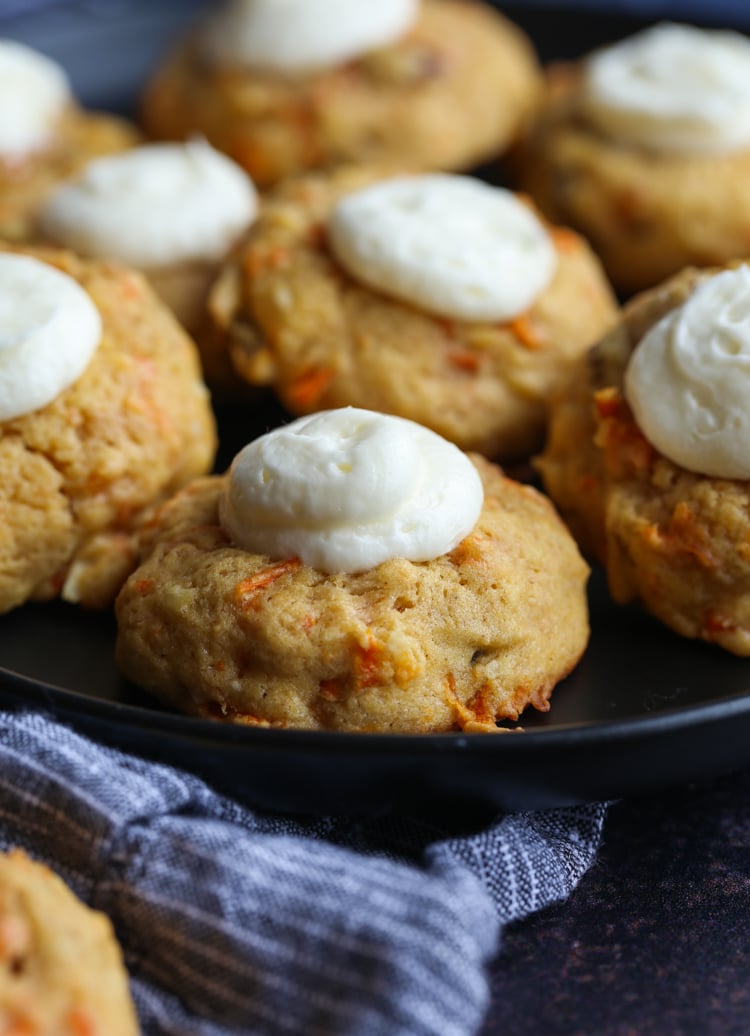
x=565, y=735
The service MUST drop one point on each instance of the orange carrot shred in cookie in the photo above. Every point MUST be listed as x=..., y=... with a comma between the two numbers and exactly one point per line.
x=608, y=402
x=368, y=663
x=245, y=590
x=565, y=240
x=464, y=360
x=130, y=288
x=20, y=1027
x=81, y=1023
x=624, y=444
x=306, y=391
x=685, y=535
x=526, y=332
x=718, y=623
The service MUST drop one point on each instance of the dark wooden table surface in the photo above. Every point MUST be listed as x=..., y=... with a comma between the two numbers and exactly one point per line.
x=655, y=941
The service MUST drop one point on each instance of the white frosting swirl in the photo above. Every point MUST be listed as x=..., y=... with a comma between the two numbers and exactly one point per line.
x=345, y=490
x=688, y=380
x=299, y=36
x=448, y=244
x=673, y=88
x=35, y=92
x=154, y=206
x=49, y=330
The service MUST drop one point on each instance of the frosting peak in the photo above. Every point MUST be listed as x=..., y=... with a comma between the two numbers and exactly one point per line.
x=451, y=245
x=49, y=330
x=673, y=88
x=35, y=92
x=154, y=206
x=300, y=36
x=688, y=380
x=345, y=490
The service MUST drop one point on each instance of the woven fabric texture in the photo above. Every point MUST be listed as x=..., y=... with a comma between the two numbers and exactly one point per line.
x=233, y=921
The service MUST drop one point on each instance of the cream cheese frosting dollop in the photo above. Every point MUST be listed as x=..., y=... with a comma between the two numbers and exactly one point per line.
x=35, y=92
x=451, y=245
x=672, y=88
x=49, y=330
x=345, y=490
x=154, y=206
x=300, y=36
x=688, y=380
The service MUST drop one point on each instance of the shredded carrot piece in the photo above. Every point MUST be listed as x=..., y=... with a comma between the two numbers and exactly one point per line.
x=565, y=240
x=608, y=402
x=464, y=360
x=20, y=1027
x=526, y=332
x=468, y=550
x=144, y=586
x=305, y=392
x=480, y=707
x=625, y=447
x=308, y=622
x=368, y=663
x=245, y=591
x=81, y=1023
x=718, y=623
x=684, y=536
x=130, y=289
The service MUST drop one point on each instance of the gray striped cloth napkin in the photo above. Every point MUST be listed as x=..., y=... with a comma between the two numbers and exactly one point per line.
x=238, y=922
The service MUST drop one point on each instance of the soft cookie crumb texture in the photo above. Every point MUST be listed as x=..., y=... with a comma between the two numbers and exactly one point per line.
x=61, y=969
x=462, y=641
x=78, y=474
x=677, y=541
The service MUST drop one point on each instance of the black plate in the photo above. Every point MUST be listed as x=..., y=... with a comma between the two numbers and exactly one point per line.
x=643, y=709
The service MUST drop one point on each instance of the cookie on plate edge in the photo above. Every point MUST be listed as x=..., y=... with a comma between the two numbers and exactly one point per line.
x=355, y=571
x=647, y=455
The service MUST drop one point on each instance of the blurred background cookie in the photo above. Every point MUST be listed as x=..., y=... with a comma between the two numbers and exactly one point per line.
x=103, y=412
x=647, y=457
x=45, y=136
x=354, y=571
x=434, y=297
x=644, y=147
x=282, y=89
x=172, y=211
x=61, y=969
